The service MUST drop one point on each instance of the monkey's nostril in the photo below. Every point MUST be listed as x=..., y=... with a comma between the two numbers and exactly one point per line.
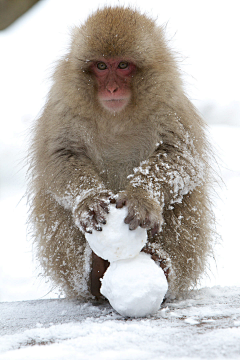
x=112, y=90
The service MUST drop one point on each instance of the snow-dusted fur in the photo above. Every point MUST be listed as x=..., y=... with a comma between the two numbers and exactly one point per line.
x=154, y=154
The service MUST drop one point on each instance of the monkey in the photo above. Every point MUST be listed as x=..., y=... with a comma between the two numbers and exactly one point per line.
x=117, y=127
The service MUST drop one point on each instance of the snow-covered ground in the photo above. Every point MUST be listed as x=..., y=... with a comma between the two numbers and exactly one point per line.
x=208, y=324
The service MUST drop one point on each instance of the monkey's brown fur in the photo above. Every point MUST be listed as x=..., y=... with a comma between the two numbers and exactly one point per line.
x=153, y=155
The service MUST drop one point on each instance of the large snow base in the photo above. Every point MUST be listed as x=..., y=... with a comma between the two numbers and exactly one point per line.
x=135, y=287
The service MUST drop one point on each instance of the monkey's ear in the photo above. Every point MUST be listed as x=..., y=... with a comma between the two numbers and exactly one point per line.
x=74, y=30
x=79, y=45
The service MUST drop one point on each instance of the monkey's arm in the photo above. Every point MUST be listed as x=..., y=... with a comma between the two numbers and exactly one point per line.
x=162, y=180
x=72, y=180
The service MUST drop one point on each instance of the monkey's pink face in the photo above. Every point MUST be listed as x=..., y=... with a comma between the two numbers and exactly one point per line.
x=113, y=79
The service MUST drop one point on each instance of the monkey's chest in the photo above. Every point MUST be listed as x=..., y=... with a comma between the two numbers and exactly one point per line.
x=117, y=160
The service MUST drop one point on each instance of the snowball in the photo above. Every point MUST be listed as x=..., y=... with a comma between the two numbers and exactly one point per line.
x=134, y=287
x=116, y=241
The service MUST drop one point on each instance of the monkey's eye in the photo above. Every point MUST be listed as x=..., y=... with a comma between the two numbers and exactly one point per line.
x=123, y=65
x=101, y=66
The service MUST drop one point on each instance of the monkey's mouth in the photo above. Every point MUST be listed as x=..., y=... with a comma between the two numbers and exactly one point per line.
x=114, y=105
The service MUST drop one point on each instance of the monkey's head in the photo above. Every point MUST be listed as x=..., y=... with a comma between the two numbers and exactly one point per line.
x=118, y=61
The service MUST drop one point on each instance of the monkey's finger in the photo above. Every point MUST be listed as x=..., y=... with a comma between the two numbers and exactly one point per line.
x=85, y=228
x=155, y=229
x=128, y=219
x=145, y=224
x=98, y=218
x=97, y=228
x=120, y=203
x=134, y=224
x=112, y=200
x=104, y=205
x=95, y=223
x=103, y=221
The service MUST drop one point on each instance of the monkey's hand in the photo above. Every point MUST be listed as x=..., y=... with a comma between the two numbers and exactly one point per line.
x=91, y=212
x=143, y=210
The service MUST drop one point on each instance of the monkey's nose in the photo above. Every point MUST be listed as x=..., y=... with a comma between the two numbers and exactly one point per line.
x=112, y=88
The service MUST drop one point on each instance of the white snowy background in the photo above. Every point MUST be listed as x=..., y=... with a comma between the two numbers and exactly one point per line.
x=205, y=35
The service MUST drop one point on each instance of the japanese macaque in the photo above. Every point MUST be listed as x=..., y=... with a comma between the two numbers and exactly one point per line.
x=117, y=127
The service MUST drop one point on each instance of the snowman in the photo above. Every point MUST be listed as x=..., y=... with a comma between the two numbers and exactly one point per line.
x=134, y=284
